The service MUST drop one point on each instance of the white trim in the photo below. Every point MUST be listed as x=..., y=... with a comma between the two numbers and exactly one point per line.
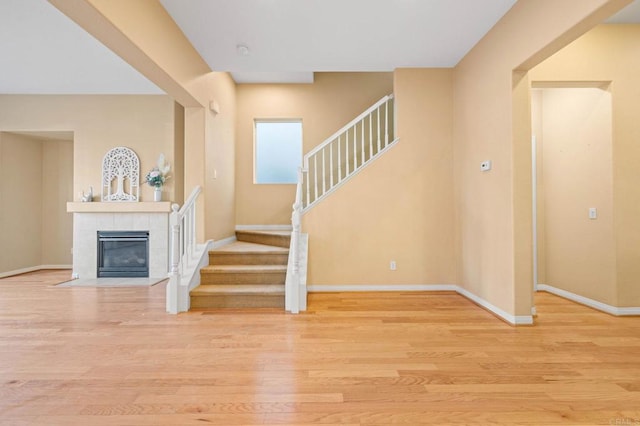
x=321, y=288
x=534, y=311
x=219, y=243
x=181, y=283
x=511, y=319
x=32, y=269
x=304, y=259
x=19, y=271
x=534, y=212
x=264, y=228
x=629, y=311
x=55, y=266
x=193, y=273
x=613, y=310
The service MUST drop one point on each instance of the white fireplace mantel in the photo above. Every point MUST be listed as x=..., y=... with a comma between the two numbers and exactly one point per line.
x=89, y=218
x=120, y=207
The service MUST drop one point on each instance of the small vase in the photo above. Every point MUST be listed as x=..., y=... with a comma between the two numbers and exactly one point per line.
x=157, y=193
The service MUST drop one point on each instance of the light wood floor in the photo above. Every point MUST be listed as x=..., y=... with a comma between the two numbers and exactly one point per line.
x=106, y=356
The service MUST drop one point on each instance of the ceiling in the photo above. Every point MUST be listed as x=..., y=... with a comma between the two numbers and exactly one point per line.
x=333, y=35
x=628, y=15
x=44, y=52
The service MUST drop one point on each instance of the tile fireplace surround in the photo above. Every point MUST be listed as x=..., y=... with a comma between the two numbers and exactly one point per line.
x=89, y=218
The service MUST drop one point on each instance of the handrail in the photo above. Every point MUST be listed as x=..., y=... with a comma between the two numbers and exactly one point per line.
x=346, y=127
x=183, y=240
x=182, y=245
x=191, y=199
x=348, y=150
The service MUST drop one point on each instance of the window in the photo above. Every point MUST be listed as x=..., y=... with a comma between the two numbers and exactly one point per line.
x=278, y=151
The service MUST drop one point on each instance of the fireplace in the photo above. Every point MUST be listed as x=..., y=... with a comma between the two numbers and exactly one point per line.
x=123, y=254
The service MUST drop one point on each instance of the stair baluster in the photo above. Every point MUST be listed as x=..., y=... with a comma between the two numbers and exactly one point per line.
x=184, y=253
x=362, y=143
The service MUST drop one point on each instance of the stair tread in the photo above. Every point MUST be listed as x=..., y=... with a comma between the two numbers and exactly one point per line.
x=273, y=238
x=246, y=269
x=249, y=248
x=265, y=232
x=252, y=289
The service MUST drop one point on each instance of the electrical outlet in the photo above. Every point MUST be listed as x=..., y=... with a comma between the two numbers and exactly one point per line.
x=485, y=166
x=392, y=265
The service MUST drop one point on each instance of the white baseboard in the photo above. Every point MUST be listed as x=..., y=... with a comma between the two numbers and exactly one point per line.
x=32, y=269
x=264, y=228
x=223, y=242
x=56, y=266
x=320, y=288
x=613, y=310
x=511, y=319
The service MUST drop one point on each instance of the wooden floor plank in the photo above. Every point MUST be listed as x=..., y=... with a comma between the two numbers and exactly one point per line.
x=112, y=356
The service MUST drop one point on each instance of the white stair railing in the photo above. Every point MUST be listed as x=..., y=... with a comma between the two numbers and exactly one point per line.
x=347, y=151
x=325, y=168
x=184, y=252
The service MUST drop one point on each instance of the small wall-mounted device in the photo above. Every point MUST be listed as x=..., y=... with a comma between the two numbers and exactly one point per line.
x=485, y=166
x=214, y=107
x=593, y=213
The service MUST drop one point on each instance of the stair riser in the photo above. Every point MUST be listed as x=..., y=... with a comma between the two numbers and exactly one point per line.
x=242, y=278
x=237, y=301
x=245, y=276
x=248, y=259
x=271, y=240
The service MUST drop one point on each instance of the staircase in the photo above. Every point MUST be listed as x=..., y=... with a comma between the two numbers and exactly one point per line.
x=256, y=270
x=249, y=273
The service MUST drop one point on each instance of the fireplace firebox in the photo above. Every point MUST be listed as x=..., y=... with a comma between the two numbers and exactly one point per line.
x=123, y=254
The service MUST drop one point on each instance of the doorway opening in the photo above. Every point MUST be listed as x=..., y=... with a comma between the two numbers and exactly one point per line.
x=572, y=162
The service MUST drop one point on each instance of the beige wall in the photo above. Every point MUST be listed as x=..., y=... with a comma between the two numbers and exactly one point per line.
x=142, y=123
x=492, y=122
x=574, y=141
x=608, y=53
x=57, y=189
x=536, y=131
x=21, y=202
x=325, y=106
x=36, y=181
x=178, y=154
x=220, y=166
x=99, y=123
x=401, y=206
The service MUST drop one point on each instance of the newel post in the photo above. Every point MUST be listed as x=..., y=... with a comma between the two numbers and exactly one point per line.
x=174, y=272
x=174, y=221
x=293, y=285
